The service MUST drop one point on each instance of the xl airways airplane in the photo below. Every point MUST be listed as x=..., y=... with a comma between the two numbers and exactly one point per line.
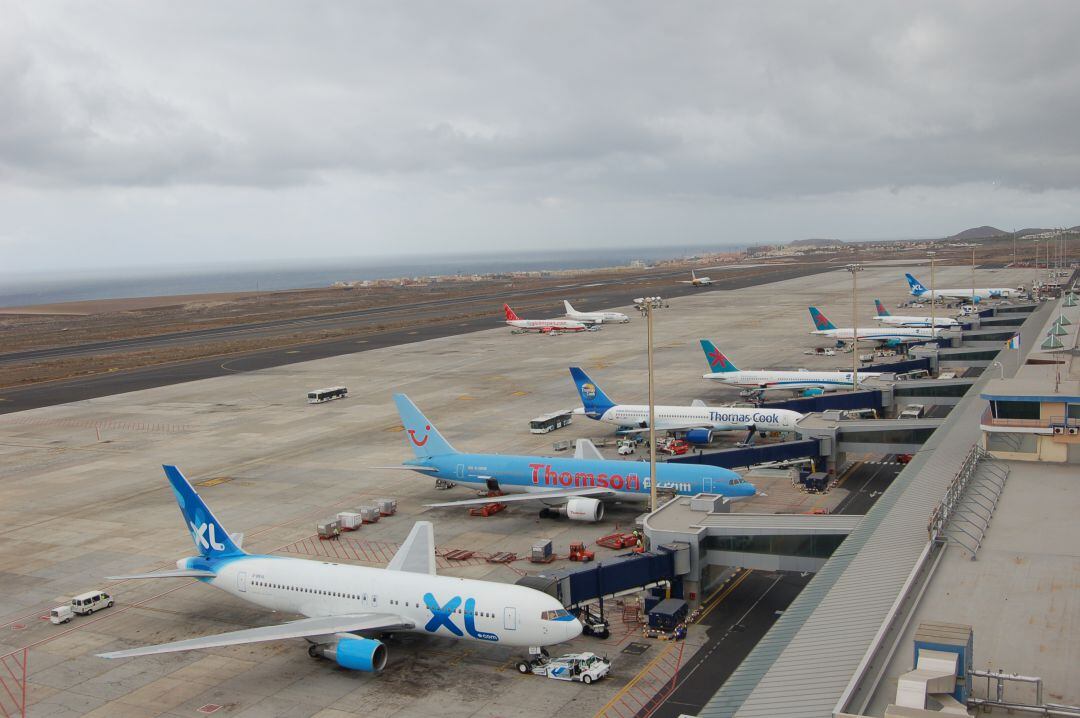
x=343, y=605
x=892, y=336
x=575, y=488
x=884, y=317
x=545, y=326
x=724, y=370
x=968, y=294
x=595, y=317
x=697, y=421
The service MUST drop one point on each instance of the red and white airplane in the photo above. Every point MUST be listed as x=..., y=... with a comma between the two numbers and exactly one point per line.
x=546, y=326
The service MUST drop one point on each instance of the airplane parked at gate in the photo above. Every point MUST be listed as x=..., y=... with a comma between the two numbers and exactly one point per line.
x=595, y=317
x=344, y=605
x=884, y=317
x=576, y=488
x=889, y=336
x=968, y=295
x=696, y=280
x=697, y=420
x=808, y=383
x=544, y=326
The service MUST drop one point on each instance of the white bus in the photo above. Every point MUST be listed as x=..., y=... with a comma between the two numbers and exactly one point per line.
x=550, y=422
x=318, y=396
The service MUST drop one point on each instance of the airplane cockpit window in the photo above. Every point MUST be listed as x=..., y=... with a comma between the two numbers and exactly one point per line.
x=554, y=615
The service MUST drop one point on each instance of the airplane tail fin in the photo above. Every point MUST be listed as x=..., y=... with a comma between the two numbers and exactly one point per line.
x=881, y=310
x=594, y=399
x=916, y=286
x=717, y=361
x=423, y=437
x=820, y=320
x=569, y=309
x=510, y=315
x=211, y=538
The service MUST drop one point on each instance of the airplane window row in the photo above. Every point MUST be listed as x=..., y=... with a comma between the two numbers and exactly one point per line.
x=318, y=592
x=459, y=611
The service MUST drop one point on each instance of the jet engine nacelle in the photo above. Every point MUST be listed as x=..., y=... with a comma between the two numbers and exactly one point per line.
x=582, y=509
x=356, y=654
x=813, y=391
x=699, y=436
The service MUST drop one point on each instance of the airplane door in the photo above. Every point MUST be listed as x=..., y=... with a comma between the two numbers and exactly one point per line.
x=460, y=471
x=706, y=485
x=241, y=581
x=510, y=619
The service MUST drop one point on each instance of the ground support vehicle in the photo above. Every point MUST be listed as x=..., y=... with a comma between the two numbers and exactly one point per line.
x=584, y=667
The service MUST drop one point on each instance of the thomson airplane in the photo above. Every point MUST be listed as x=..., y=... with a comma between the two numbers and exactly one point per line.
x=968, y=295
x=697, y=420
x=576, y=488
x=884, y=317
x=595, y=317
x=545, y=326
x=890, y=336
x=696, y=280
x=344, y=605
x=808, y=383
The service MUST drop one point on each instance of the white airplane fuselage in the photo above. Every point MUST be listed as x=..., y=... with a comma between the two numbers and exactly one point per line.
x=793, y=380
x=548, y=325
x=880, y=335
x=479, y=610
x=966, y=294
x=597, y=317
x=670, y=418
x=913, y=321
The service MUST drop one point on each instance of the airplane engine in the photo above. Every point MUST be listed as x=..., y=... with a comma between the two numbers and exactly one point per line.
x=582, y=509
x=813, y=391
x=699, y=436
x=356, y=654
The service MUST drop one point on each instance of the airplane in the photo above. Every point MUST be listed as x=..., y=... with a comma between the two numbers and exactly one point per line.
x=884, y=317
x=575, y=488
x=968, y=295
x=696, y=280
x=544, y=326
x=698, y=421
x=595, y=317
x=889, y=336
x=807, y=383
x=344, y=605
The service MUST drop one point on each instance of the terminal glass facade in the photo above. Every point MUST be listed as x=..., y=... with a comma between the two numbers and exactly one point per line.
x=1015, y=409
x=811, y=546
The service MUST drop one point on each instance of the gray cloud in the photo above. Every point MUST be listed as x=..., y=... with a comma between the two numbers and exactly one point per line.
x=486, y=109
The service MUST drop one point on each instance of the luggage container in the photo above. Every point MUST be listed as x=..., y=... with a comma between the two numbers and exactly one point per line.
x=369, y=514
x=349, y=520
x=668, y=614
x=387, y=507
x=329, y=529
x=542, y=552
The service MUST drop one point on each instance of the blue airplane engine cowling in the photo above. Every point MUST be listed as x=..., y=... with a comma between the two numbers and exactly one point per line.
x=813, y=391
x=699, y=436
x=360, y=654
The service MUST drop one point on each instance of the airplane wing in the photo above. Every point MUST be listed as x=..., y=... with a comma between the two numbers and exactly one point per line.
x=667, y=427
x=585, y=449
x=417, y=554
x=597, y=492
x=322, y=626
x=181, y=573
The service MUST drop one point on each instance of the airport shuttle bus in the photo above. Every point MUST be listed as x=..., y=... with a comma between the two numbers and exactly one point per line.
x=318, y=396
x=550, y=422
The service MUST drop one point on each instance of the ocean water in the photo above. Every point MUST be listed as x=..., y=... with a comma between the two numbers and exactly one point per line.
x=25, y=289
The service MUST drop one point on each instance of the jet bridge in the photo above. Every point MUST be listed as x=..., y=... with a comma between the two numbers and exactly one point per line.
x=865, y=436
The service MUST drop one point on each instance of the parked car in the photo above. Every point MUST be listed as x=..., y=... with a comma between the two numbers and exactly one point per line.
x=913, y=411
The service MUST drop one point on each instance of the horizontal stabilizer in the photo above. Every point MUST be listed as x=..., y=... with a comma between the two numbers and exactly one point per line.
x=322, y=626
x=585, y=449
x=406, y=467
x=555, y=495
x=178, y=573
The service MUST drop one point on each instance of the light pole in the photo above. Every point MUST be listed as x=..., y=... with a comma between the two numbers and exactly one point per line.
x=854, y=268
x=933, y=297
x=973, y=275
x=652, y=412
x=1035, y=276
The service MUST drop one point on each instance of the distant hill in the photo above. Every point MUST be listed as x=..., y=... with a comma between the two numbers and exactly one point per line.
x=816, y=243
x=984, y=232
x=1030, y=230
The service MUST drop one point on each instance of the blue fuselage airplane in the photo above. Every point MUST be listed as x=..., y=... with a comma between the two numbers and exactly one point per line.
x=578, y=485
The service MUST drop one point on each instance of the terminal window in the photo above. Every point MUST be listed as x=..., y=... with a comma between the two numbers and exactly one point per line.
x=1016, y=409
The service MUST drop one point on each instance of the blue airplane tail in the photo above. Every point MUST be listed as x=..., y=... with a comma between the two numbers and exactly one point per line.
x=594, y=399
x=423, y=437
x=821, y=322
x=718, y=363
x=881, y=310
x=916, y=286
x=211, y=538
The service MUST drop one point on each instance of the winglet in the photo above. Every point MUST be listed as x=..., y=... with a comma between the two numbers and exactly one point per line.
x=417, y=554
x=585, y=449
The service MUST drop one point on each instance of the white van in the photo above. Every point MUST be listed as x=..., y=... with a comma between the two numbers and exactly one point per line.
x=86, y=603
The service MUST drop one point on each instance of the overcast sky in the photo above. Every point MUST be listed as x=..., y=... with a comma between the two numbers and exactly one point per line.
x=156, y=133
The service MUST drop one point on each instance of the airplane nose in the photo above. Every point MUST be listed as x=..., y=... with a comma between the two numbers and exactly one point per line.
x=573, y=629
